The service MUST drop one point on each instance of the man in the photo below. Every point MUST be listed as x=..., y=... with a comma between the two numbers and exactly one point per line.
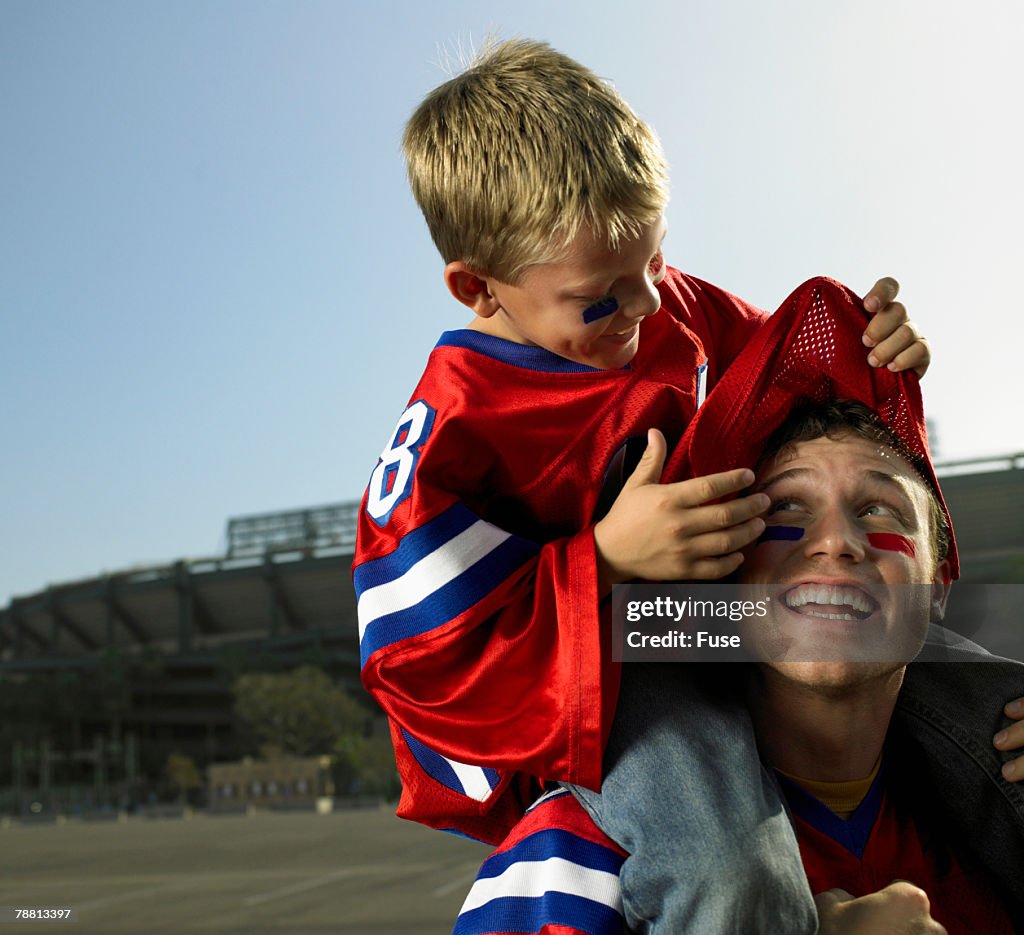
x=822, y=722
x=864, y=531
x=862, y=566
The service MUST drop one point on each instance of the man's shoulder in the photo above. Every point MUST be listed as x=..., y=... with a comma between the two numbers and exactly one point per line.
x=958, y=689
x=944, y=645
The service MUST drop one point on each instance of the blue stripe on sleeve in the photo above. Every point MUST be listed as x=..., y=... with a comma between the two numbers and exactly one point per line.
x=553, y=842
x=434, y=764
x=417, y=545
x=451, y=600
x=530, y=914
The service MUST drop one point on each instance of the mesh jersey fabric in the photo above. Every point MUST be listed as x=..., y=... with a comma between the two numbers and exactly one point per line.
x=810, y=349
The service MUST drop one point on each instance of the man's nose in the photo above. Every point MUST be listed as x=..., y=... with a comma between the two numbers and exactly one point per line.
x=835, y=534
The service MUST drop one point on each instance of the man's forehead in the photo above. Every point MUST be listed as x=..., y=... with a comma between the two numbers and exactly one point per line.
x=877, y=460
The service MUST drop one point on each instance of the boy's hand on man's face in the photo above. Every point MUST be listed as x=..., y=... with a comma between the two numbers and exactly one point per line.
x=673, y=532
x=1012, y=738
x=894, y=339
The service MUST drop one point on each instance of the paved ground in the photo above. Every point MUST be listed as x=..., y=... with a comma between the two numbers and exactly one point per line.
x=354, y=873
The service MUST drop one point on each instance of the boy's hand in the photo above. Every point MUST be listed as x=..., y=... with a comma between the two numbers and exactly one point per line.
x=1013, y=739
x=899, y=909
x=670, y=532
x=893, y=338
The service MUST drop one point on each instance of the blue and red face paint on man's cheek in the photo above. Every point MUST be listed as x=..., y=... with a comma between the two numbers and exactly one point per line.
x=886, y=541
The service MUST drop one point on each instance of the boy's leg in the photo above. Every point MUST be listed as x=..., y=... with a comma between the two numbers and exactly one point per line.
x=712, y=849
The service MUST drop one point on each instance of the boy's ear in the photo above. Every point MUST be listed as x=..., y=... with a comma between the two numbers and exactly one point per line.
x=471, y=289
x=941, y=583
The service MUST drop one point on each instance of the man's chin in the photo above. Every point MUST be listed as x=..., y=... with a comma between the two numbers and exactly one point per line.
x=834, y=678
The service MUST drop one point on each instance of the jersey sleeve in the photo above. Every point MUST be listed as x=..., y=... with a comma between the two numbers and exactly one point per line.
x=555, y=874
x=483, y=646
x=723, y=322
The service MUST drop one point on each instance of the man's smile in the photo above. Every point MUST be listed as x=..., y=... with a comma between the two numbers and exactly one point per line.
x=830, y=601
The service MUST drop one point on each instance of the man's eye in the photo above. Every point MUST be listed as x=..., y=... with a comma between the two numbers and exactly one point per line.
x=880, y=509
x=783, y=506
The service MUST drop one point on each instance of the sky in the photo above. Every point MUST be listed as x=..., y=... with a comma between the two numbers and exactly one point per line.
x=217, y=294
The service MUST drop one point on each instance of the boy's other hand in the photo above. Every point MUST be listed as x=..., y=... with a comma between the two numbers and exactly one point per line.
x=674, y=532
x=894, y=339
x=1012, y=738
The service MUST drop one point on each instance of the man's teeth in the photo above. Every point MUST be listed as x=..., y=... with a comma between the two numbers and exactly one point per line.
x=824, y=595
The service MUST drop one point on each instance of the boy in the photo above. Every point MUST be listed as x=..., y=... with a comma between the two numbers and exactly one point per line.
x=484, y=548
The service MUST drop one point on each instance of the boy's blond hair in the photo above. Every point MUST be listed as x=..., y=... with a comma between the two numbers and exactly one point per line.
x=509, y=159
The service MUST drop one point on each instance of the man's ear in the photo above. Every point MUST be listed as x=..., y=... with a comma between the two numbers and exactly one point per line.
x=941, y=583
x=471, y=289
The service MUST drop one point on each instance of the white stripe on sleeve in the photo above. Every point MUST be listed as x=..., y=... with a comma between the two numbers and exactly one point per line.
x=430, y=573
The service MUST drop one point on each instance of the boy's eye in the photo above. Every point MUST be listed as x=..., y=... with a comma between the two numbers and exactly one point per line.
x=602, y=308
x=657, y=266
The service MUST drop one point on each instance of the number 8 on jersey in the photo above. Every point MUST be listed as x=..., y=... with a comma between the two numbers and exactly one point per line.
x=391, y=480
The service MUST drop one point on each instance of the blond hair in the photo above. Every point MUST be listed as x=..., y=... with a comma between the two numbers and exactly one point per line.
x=510, y=158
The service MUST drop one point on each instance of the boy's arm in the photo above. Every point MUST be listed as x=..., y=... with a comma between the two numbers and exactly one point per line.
x=1012, y=738
x=485, y=648
x=725, y=323
x=895, y=341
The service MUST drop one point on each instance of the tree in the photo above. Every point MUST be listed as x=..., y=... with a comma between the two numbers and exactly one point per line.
x=182, y=774
x=299, y=712
x=366, y=766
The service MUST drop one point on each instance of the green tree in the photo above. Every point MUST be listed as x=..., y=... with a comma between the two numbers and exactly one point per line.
x=366, y=766
x=182, y=775
x=299, y=712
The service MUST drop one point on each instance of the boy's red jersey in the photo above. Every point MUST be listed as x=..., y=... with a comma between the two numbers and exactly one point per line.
x=475, y=573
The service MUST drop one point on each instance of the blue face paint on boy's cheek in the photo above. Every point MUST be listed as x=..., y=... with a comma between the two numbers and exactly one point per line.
x=601, y=309
x=781, y=534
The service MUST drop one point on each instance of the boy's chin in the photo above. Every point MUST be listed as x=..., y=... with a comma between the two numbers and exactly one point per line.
x=612, y=358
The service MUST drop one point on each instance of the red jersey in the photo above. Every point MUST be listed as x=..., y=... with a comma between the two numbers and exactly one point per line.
x=876, y=846
x=557, y=873
x=475, y=573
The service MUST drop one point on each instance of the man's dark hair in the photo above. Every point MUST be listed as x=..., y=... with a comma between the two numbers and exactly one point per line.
x=811, y=420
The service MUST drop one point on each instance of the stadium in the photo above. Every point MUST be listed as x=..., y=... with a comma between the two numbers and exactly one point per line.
x=166, y=641
x=162, y=645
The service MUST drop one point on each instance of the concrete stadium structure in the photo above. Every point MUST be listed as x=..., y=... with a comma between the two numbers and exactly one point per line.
x=282, y=596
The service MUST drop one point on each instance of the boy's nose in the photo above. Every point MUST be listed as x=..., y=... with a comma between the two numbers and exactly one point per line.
x=644, y=305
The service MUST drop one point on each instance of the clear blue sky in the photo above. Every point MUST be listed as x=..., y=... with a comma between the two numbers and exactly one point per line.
x=216, y=292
